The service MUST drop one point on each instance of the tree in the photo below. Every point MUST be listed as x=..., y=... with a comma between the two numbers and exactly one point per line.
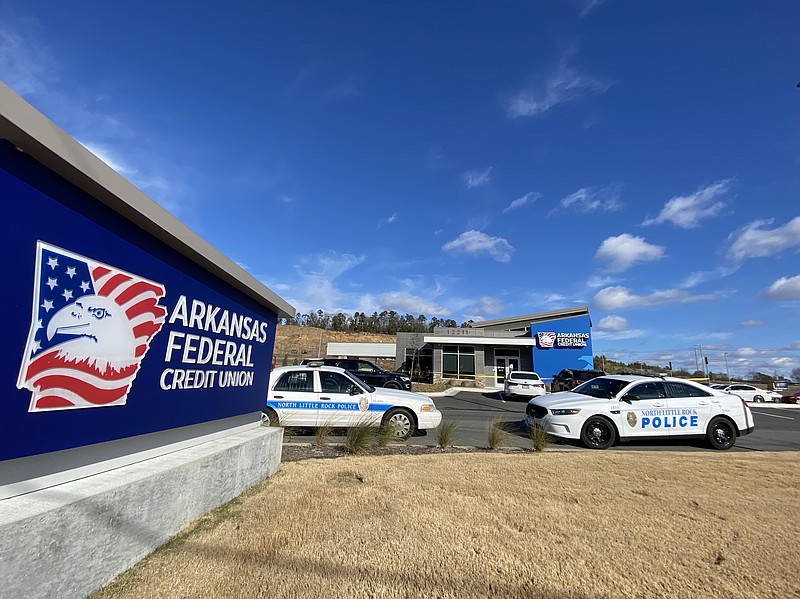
x=796, y=375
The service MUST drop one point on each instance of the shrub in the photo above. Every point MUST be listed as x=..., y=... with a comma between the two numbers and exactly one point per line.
x=445, y=434
x=361, y=438
x=322, y=434
x=496, y=435
x=538, y=437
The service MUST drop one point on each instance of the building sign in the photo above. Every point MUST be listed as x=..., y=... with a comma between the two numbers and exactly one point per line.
x=550, y=339
x=109, y=332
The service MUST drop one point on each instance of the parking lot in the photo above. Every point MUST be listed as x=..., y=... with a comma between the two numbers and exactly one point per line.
x=777, y=427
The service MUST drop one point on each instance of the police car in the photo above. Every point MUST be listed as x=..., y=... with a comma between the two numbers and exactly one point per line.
x=629, y=407
x=317, y=395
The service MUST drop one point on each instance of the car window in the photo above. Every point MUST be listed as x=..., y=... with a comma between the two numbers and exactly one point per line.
x=647, y=391
x=298, y=380
x=532, y=376
x=683, y=390
x=585, y=375
x=601, y=387
x=365, y=367
x=334, y=382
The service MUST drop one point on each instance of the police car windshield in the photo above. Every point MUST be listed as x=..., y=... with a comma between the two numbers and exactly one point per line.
x=602, y=387
x=364, y=384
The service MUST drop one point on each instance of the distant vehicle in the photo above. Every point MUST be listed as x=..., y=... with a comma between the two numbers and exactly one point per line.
x=316, y=395
x=790, y=398
x=523, y=383
x=628, y=407
x=780, y=385
x=368, y=372
x=749, y=392
x=569, y=378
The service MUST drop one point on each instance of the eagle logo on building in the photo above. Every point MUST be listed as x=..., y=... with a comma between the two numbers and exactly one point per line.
x=546, y=339
x=91, y=326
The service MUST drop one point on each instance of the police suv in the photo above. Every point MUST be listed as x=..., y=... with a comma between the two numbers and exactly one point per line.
x=317, y=395
x=629, y=407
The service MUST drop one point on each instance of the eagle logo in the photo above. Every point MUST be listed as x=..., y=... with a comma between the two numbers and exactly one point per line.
x=91, y=326
x=546, y=339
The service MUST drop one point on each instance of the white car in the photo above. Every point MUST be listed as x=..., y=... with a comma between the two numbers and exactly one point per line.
x=749, y=392
x=316, y=395
x=629, y=407
x=522, y=383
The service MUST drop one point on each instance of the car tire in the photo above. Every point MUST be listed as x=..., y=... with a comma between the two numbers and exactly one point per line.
x=392, y=385
x=401, y=422
x=721, y=433
x=269, y=418
x=598, y=433
x=758, y=399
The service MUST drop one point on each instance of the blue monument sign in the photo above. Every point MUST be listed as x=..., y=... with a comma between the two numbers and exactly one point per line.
x=114, y=325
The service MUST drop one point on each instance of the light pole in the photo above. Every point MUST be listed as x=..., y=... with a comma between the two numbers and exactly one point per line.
x=727, y=373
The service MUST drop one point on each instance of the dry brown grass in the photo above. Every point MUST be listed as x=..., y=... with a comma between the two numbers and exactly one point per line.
x=554, y=525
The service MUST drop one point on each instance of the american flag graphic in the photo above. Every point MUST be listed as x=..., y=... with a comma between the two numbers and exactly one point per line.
x=91, y=325
x=546, y=339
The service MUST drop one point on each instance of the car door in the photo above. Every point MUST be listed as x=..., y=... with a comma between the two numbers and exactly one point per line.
x=689, y=408
x=342, y=402
x=294, y=399
x=642, y=411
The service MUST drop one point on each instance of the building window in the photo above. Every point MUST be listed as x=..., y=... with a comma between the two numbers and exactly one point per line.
x=458, y=362
x=419, y=364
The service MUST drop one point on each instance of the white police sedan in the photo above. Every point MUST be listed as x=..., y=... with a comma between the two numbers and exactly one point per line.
x=628, y=407
x=316, y=395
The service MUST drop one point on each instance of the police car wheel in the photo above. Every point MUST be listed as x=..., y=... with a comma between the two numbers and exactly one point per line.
x=598, y=433
x=401, y=424
x=721, y=434
x=269, y=418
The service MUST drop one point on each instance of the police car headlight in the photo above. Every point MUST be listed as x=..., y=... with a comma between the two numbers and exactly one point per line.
x=565, y=412
x=428, y=407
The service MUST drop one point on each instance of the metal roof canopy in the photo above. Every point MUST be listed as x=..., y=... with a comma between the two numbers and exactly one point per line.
x=33, y=133
x=519, y=321
x=372, y=350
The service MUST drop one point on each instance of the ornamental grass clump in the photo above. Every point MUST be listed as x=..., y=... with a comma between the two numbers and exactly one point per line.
x=361, y=438
x=496, y=434
x=539, y=438
x=446, y=433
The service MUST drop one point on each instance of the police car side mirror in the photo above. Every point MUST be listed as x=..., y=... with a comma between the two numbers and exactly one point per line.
x=354, y=390
x=630, y=397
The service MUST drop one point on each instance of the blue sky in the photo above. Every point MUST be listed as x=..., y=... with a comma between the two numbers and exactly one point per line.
x=466, y=160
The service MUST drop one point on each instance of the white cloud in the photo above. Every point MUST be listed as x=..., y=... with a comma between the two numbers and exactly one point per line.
x=696, y=278
x=751, y=324
x=784, y=289
x=564, y=84
x=756, y=241
x=25, y=61
x=612, y=299
x=594, y=282
x=588, y=6
x=612, y=323
x=476, y=178
x=623, y=251
x=106, y=154
x=388, y=221
x=485, y=306
x=686, y=212
x=475, y=242
x=528, y=198
x=411, y=304
x=315, y=289
x=591, y=199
